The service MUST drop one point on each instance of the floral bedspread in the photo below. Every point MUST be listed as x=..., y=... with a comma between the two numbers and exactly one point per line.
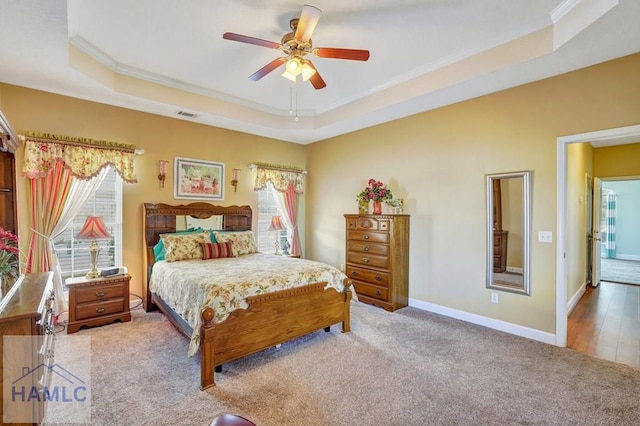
x=224, y=284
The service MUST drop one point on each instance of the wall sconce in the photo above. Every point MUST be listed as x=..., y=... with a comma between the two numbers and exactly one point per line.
x=234, y=181
x=162, y=172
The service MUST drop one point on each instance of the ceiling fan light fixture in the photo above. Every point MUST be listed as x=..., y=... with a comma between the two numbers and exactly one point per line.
x=307, y=71
x=294, y=65
x=286, y=74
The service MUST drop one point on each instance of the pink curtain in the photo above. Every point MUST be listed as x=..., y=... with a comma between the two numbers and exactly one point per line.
x=46, y=200
x=291, y=205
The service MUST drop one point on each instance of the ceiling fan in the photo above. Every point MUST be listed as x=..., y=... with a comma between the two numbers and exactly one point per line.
x=296, y=45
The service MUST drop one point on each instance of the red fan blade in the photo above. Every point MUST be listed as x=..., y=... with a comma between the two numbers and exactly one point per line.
x=332, y=52
x=267, y=69
x=307, y=23
x=317, y=81
x=251, y=40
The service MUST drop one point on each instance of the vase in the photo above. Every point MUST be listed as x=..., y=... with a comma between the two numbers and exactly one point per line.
x=377, y=207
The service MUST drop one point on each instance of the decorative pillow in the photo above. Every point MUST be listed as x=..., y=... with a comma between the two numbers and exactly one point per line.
x=184, y=246
x=214, y=251
x=159, y=251
x=242, y=242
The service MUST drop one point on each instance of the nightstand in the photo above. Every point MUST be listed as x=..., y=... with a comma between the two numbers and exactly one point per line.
x=97, y=301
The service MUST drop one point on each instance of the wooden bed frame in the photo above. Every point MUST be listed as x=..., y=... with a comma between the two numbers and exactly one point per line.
x=270, y=319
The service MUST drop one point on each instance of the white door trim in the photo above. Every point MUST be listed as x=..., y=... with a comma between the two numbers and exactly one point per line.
x=601, y=137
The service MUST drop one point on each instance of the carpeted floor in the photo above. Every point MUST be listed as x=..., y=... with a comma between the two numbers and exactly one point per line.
x=620, y=271
x=404, y=368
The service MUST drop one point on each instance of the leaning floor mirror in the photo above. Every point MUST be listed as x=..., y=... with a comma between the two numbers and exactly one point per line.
x=509, y=231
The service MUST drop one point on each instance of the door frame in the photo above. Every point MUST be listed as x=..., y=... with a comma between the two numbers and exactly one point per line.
x=614, y=136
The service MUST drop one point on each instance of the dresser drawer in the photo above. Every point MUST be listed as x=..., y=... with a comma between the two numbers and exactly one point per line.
x=96, y=309
x=373, y=237
x=368, y=223
x=99, y=292
x=368, y=260
x=366, y=247
x=374, y=277
x=370, y=290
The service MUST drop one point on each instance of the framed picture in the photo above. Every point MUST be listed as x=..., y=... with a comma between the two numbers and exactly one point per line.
x=198, y=179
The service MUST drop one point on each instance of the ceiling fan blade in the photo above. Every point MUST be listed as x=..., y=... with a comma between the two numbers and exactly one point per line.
x=317, y=81
x=335, y=53
x=307, y=23
x=267, y=69
x=251, y=40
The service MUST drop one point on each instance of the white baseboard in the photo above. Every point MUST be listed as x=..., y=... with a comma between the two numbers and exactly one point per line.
x=518, y=330
x=514, y=270
x=627, y=257
x=576, y=298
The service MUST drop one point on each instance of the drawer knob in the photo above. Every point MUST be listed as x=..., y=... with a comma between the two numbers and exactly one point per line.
x=366, y=248
x=378, y=292
x=378, y=278
x=354, y=273
x=100, y=310
x=365, y=236
x=365, y=259
x=100, y=293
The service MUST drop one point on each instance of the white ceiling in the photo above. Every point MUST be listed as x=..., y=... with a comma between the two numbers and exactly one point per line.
x=164, y=56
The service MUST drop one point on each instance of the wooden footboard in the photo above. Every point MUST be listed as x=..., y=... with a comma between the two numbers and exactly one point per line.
x=271, y=319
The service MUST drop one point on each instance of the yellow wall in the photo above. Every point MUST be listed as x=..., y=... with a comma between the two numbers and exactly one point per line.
x=162, y=138
x=617, y=161
x=437, y=162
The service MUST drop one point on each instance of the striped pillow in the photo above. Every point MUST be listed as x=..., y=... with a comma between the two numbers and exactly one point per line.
x=215, y=250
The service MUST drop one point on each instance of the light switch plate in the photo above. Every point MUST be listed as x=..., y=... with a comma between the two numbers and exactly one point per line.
x=545, y=236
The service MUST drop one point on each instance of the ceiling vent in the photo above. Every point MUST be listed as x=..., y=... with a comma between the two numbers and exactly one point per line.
x=186, y=114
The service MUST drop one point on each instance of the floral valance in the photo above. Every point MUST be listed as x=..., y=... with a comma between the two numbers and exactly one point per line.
x=83, y=157
x=280, y=176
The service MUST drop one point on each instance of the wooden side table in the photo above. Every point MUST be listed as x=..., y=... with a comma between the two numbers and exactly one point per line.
x=97, y=301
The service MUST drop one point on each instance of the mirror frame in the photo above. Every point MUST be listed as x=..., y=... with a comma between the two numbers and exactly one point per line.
x=526, y=231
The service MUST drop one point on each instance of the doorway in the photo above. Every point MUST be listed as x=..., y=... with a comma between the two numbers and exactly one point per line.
x=629, y=134
x=620, y=231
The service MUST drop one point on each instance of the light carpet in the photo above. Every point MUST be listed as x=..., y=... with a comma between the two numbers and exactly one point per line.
x=405, y=368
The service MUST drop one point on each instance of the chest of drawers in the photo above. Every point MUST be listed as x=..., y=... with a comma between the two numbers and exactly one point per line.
x=97, y=301
x=377, y=258
x=26, y=318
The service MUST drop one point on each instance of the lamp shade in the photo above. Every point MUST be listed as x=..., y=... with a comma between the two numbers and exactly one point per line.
x=93, y=229
x=276, y=224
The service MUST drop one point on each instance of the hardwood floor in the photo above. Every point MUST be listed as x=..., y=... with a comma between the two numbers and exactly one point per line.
x=606, y=323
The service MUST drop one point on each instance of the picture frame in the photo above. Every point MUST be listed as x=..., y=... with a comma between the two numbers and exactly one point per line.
x=198, y=179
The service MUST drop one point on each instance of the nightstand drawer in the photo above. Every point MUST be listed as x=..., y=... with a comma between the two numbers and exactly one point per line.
x=99, y=292
x=96, y=309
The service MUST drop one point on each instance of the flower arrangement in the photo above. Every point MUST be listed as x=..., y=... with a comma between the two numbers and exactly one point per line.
x=375, y=191
x=9, y=252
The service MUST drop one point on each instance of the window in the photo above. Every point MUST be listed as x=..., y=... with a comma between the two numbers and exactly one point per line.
x=74, y=254
x=267, y=208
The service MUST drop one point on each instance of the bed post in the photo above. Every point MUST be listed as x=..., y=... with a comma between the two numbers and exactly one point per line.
x=207, y=363
x=346, y=322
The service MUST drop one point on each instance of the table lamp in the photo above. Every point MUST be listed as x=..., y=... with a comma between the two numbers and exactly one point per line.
x=93, y=229
x=276, y=225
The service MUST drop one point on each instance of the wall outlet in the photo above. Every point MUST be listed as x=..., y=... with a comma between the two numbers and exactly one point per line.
x=494, y=298
x=342, y=267
x=545, y=236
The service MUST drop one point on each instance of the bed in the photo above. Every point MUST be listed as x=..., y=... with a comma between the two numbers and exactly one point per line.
x=262, y=320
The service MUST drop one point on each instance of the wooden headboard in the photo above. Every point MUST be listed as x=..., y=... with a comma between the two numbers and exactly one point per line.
x=161, y=219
